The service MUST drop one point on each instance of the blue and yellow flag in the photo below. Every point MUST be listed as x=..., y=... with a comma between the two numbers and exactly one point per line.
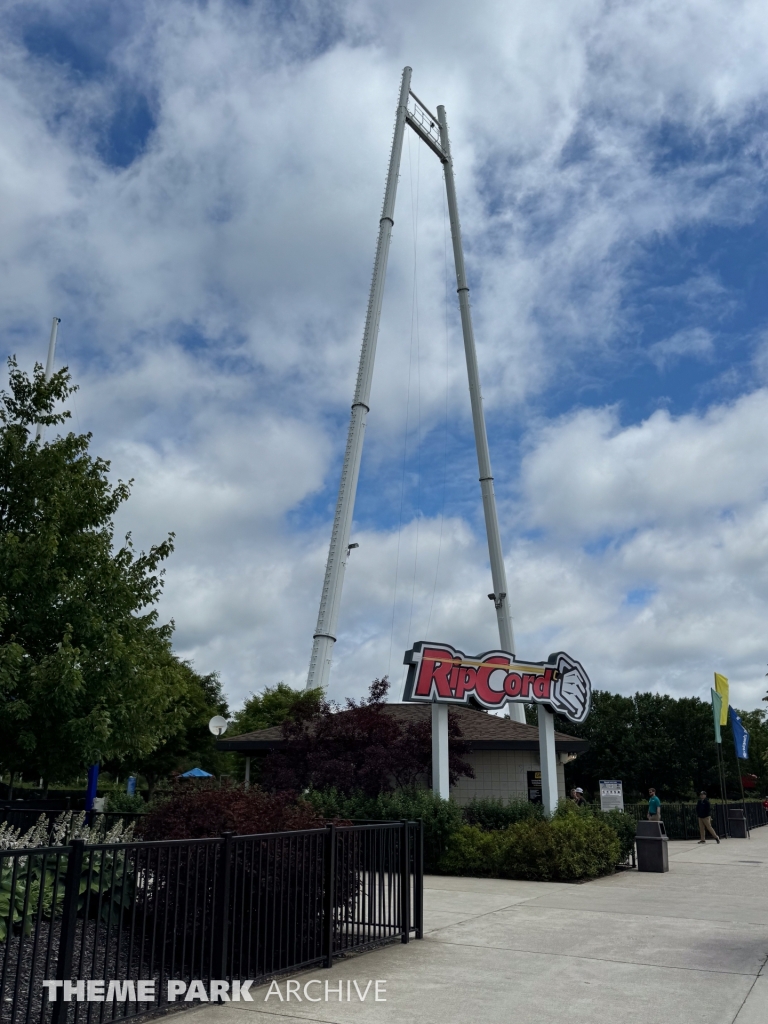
x=721, y=685
x=717, y=707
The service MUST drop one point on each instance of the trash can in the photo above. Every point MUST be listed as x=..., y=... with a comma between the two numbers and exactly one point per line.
x=737, y=823
x=652, y=846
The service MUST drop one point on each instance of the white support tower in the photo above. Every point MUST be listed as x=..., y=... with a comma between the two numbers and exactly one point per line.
x=433, y=130
x=50, y=361
x=498, y=570
x=328, y=616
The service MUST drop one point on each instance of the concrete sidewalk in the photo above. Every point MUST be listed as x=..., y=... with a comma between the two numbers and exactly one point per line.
x=689, y=946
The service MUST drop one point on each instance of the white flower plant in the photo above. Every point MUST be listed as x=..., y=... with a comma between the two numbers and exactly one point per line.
x=68, y=826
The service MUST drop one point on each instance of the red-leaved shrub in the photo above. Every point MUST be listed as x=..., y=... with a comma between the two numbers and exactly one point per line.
x=359, y=749
x=196, y=811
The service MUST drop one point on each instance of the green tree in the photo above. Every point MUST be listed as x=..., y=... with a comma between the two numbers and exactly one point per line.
x=86, y=670
x=648, y=739
x=273, y=706
x=188, y=742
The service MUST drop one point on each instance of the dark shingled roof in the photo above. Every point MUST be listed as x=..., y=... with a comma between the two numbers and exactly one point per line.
x=480, y=730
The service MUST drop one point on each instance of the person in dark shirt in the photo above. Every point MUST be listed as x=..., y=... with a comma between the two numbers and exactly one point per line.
x=704, y=814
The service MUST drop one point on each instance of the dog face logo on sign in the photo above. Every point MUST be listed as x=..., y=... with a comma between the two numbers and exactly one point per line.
x=438, y=672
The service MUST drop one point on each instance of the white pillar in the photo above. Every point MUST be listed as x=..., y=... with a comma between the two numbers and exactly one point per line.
x=247, y=772
x=440, y=784
x=547, y=760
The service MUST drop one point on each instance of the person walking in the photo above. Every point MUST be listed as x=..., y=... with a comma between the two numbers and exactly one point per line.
x=654, y=806
x=704, y=814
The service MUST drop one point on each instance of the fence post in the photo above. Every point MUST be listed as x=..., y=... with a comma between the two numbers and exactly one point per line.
x=405, y=882
x=221, y=906
x=418, y=882
x=68, y=924
x=330, y=891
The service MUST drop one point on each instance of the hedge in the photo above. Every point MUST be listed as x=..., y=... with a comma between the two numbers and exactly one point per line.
x=441, y=818
x=490, y=814
x=471, y=840
x=567, y=848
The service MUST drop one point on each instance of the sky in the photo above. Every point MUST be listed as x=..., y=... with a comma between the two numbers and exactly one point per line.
x=195, y=187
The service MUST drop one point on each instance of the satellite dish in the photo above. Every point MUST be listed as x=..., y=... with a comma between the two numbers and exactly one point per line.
x=218, y=725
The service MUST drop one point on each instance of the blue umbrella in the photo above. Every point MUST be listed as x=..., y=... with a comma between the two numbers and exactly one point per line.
x=196, y=773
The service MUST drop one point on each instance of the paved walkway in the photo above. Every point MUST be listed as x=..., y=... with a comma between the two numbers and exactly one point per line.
x=689, y=946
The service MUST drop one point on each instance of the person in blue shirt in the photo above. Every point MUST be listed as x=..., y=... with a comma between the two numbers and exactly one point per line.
x=654, y=806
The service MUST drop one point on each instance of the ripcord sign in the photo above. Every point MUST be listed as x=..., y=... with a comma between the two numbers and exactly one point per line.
x=438, y=673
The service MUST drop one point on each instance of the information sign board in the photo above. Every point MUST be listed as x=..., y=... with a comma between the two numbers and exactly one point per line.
x=534, y=787
x=611, y=795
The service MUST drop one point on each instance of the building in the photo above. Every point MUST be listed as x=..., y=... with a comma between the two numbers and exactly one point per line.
x=504, y=754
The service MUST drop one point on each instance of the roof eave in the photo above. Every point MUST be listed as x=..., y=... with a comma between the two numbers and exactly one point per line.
x=574, y=746
x=245, y=746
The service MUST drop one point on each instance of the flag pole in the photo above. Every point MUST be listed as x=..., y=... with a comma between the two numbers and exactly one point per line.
x=723, y=786
x=721, y=685
x=741, y=784
x=738, y=769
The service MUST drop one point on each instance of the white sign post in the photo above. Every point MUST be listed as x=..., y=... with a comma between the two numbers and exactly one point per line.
x=440, y=778
x=611, y=795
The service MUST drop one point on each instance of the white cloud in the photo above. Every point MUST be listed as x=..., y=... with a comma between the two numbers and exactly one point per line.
x=588, y=476
x=213, y=295
x=695, y=342
x=671, y=509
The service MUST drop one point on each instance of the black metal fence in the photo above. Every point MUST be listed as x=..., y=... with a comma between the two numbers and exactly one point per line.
x=681, y=821
x=113, y=915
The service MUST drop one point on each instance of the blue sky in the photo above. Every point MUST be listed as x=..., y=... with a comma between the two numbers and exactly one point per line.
x=195, y=189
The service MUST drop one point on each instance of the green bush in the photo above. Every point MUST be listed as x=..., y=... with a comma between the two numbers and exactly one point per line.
x=490, y=814
x=531, y=851
x=567, y=848
x=473, y=851
x=625, y=827
x=441, y=817
x=121, y=801
x=491, y=839
x=563, y=849
x=623, y=824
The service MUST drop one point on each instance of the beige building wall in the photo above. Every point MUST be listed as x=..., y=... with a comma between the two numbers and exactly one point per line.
x=501, y=774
